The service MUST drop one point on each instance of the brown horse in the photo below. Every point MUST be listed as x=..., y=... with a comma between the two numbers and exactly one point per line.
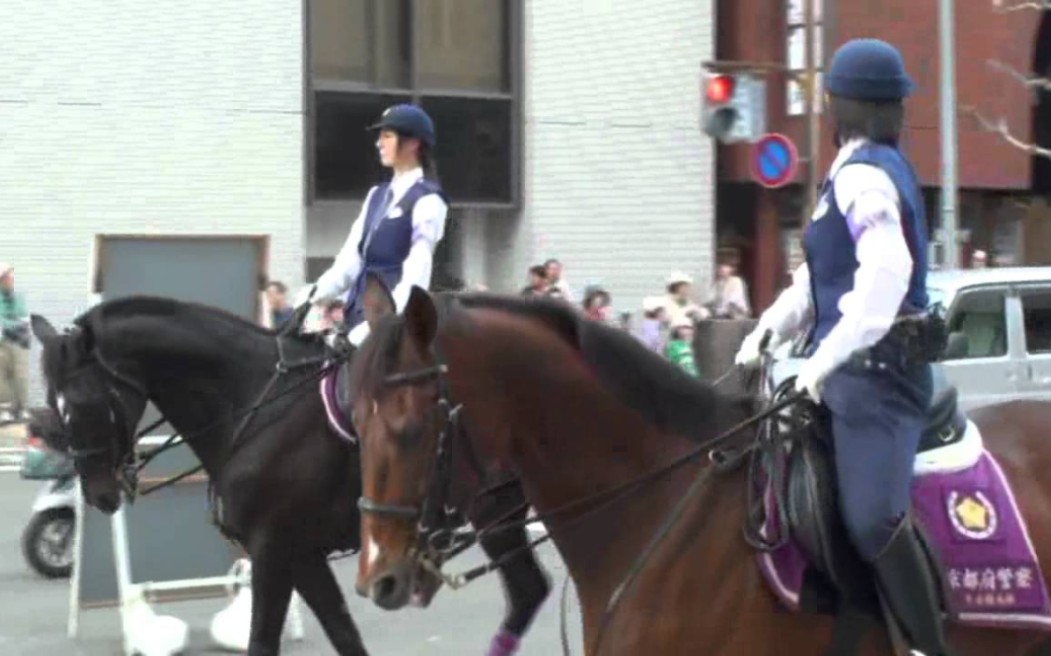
x=577, y=408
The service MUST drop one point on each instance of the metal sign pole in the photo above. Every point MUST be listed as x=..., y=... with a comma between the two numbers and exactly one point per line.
x=813, y=123
x=948, y=130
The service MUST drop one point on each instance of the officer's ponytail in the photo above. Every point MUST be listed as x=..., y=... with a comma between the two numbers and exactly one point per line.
x=430, y=169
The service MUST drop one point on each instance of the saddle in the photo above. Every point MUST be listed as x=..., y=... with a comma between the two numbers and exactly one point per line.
x=836, y=570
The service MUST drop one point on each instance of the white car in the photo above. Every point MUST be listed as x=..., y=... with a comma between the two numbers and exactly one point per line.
x=999, y=324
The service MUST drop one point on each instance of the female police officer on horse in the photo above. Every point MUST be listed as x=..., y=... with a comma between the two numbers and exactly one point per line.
x=400, y=222
x=863, y=292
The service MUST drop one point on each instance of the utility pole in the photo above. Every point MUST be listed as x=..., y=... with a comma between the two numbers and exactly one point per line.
x=946, y=35
x=813, y=130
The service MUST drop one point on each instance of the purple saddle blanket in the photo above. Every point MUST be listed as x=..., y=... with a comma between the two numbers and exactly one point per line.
x=971, y=519
x=336, y=397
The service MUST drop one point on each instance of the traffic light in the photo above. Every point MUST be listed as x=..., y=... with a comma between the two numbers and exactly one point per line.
x=733, y=107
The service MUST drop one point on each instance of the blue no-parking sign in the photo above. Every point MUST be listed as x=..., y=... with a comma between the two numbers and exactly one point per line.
x=774, y=160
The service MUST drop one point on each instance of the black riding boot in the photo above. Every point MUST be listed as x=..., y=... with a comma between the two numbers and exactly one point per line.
x=910, y=590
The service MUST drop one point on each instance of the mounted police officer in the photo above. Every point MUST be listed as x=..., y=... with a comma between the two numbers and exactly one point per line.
x=862, y=292
x=400, y=224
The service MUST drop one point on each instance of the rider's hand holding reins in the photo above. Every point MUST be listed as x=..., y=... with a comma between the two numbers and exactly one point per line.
x=759, y=341
x=811, y=375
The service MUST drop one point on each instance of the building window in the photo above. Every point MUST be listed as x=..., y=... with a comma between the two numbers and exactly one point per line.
x=463, y=45
x=317, y=266
x=346, y=162
x=474, y=148
x=453, y=57
x=363, y=41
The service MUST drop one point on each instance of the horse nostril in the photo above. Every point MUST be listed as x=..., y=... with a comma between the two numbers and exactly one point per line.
x=385, y=587
x=387, y=592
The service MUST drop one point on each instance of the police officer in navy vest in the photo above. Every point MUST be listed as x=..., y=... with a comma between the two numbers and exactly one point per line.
x=400, y=223
x=862, y=293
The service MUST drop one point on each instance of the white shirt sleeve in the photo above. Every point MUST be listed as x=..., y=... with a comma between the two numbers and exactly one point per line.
x=869, y=201
x=793, y=308
x=428, y=227
x=345, y=269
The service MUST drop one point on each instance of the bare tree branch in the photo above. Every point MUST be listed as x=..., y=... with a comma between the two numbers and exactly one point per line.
x=1000, y=127
x=1031, y=81
x=1039, y=5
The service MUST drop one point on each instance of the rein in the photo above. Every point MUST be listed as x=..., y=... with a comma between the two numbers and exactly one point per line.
x=245, y=415
x=130, y=467
x=720, y=461
x=430, y=558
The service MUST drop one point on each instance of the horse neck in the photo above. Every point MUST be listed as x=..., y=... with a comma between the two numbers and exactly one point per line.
x=537, y=405
x=200, y=373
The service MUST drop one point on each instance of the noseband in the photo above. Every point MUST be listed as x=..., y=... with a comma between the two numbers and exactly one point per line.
x=124, y=465
x=431, y=514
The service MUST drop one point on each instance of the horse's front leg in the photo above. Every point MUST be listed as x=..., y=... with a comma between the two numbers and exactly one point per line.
x=524, y=581
x=318, y=587
x=271, y=593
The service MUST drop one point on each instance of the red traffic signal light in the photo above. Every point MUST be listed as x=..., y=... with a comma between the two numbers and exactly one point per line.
x=720, y=89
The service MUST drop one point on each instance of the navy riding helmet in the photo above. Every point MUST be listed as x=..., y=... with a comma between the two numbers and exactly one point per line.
x=409, y=120
x=869, y=70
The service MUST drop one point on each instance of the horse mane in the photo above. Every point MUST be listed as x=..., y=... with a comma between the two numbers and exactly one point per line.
x=662, y=393
x=557, y=314
x=135, y=306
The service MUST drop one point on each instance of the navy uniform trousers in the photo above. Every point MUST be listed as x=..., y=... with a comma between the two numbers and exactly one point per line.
x=878, y=411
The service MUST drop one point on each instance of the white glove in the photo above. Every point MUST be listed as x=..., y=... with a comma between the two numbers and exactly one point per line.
x=812, y=375
x=748, y=355
x=358, y=334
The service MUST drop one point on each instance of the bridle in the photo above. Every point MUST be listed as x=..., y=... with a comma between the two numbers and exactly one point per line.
x=433, y=518
x=128, y=466
x=430, y=554
x=123, y=437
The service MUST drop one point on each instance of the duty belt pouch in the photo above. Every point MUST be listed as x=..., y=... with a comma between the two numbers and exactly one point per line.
x=911, y=341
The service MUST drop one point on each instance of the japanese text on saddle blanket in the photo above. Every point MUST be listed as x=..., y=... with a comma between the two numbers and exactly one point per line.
x=966, y=508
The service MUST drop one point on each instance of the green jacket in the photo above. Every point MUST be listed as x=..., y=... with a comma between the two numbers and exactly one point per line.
x=14, y=318
x=680, y=352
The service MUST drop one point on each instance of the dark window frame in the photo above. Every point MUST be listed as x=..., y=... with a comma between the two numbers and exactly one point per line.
x=514, y=43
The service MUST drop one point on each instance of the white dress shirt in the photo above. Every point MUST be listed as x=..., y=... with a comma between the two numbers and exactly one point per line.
x=868, y=199
x=428, y=227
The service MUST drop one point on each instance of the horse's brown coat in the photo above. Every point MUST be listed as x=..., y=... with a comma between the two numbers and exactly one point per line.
x=535, y=401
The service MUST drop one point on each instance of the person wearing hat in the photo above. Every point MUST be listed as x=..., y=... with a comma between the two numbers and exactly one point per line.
x=679, y=349
x=14, y=344
x=400, y=224
x=654, y=317
x=862, y=293
x=679, y=304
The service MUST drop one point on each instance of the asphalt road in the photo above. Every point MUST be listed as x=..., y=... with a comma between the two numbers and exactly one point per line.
x=34, y=611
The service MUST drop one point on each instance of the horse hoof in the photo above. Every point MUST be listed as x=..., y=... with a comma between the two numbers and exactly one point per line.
x=504, y=643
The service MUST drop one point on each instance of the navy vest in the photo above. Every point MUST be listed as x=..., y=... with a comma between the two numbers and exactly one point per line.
x=385, y=242
x=830, y=250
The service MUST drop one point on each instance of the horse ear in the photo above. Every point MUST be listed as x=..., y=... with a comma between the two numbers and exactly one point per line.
x=377, y=301
x=421, y=318
x=42, y=328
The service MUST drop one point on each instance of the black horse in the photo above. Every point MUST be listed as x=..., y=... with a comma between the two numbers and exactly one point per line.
x=285, y=486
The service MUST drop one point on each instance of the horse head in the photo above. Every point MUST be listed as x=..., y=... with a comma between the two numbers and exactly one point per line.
x=397, y=413
x=99, y=409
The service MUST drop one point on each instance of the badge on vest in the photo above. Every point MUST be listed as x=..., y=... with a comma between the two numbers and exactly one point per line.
x=972, y=515
x=395, y=212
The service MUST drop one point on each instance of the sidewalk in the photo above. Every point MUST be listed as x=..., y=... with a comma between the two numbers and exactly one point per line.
x=12, y=435
x=12, y=446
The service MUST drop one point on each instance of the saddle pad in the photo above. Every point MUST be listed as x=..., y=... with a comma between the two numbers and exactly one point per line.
x=955, y=456
x=335, y=398
x=992, y=575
